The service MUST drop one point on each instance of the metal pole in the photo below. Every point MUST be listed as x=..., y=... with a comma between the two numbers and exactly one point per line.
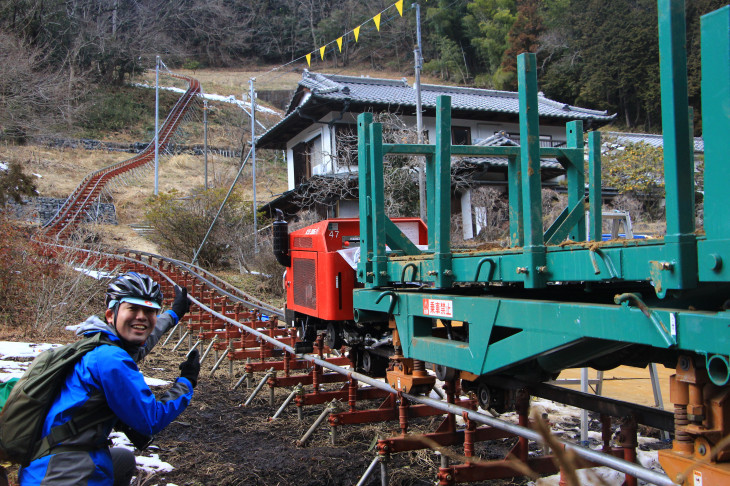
x=419, y=116
x=259, y=387
x=253, y=162
x=656, y=388
x=584, y=412
x=181, y=340
x=297, y=390
x=207, y=350
x=170, y=335
x=205, y=140
x=329, y=408
x=157, y=125
x=368, y=472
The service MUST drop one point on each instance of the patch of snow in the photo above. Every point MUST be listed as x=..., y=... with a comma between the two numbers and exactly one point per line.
x=214, y=97
x=3, y=166
x=155, y=382
x=597, y=476
x=153, y=464
x=96, y=274
x=23, y=350
x=150, y=463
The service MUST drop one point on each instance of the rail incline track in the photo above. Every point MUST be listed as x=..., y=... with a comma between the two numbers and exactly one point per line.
x=243, y=328
x=90, y=188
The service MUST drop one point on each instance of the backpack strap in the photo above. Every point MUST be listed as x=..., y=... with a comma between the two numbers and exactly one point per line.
x=89, y=415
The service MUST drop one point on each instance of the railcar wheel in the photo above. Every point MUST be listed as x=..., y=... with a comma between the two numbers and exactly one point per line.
x=484, y=396
x=333, y=337
x=307, y=330
x=373, y=365
x=445, y=373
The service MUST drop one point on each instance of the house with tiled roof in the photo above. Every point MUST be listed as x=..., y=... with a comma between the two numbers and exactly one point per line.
x=325, y=107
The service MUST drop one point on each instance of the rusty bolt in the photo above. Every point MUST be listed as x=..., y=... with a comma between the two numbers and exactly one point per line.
x=370, y=274
x=541, y=269
x=666, y=265
x=383, y=273
x=432, y=272
x=522, y=270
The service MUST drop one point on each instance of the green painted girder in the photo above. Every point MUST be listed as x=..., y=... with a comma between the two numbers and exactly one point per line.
x=635, y=260
x=544, y=328
x=716, y=125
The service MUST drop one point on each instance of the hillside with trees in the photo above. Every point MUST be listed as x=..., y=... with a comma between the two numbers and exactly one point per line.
x=593, y=53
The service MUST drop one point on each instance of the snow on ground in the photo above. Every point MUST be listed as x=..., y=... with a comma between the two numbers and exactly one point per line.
x=224, y=99
x=16, y=357
x=96, y=274
x=150, y=463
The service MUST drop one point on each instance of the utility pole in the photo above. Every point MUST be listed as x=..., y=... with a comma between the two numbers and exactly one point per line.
x=253, y=162
x=205, y=140
x=419, y=115
x=157, y=126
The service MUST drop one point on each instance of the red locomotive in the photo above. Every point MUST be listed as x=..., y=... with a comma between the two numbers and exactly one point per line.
x=320, y=263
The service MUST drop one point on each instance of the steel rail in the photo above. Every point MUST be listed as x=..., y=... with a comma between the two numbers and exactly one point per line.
x=102, y=176
x=596, y=457
x=217, y=283
x=622, y=465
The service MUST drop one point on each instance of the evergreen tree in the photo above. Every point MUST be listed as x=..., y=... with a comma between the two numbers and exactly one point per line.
x=523, y=37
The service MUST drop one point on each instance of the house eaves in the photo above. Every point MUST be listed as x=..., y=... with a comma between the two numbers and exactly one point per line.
x=318, y=94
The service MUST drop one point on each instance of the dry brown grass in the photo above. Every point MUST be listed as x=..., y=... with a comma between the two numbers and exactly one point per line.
x=61, y=170
x=235, y=81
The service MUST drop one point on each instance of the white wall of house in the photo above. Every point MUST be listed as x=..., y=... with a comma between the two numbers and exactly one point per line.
x=323, y=160
x=324, y=157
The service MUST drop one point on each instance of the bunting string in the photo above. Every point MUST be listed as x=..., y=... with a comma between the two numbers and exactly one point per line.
x=377, y=20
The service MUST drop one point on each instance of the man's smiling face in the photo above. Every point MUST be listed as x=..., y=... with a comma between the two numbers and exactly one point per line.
x=134, y=322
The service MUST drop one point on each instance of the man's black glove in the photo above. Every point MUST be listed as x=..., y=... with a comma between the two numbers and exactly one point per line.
x=138, y=440
x=190, y=368
x=181, y=304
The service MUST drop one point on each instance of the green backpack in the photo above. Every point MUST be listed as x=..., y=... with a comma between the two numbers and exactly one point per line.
x=25, y=411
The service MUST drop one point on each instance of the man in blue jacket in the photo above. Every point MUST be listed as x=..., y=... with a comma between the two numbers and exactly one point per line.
x=108, y=378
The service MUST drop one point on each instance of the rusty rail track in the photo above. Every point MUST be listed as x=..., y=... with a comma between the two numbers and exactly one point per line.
x=90, y=188
x=236, y=317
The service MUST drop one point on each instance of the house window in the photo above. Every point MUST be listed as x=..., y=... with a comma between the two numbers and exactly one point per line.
x=306, y=155
x=460, y=136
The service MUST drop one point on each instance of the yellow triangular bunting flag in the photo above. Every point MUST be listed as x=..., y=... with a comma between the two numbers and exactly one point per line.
x=376, y=19
x=321, y=52
x=309, y=59
x=399, y=6
x=339, y=43
x=356, y=31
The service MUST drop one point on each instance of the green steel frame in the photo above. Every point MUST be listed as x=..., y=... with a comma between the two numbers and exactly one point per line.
x=515, y=317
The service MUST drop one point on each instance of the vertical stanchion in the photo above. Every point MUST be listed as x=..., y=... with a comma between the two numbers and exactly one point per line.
x=157, y=125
